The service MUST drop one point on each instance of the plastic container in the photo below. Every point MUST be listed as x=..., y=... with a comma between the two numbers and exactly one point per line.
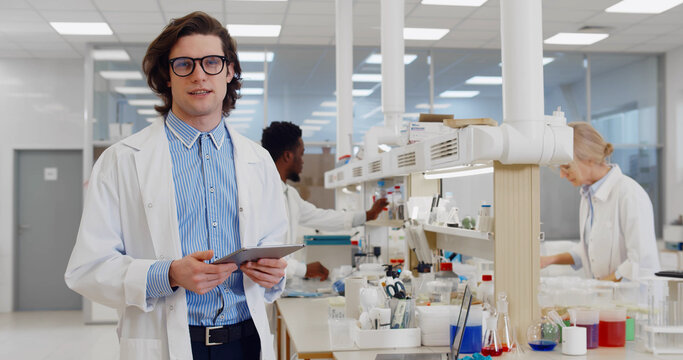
x=612, y=328
x=485, y=290
x=340, y=331
x=439, y=292
x=434, y=324
x=471, y=339
x=589, y=319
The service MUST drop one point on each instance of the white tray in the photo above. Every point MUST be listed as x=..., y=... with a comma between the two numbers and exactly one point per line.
x=390, y=338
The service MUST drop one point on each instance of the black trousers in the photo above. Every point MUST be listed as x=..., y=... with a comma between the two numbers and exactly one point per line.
x=246, y=347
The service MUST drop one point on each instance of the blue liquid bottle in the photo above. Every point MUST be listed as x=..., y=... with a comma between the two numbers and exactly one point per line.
x=471, y=339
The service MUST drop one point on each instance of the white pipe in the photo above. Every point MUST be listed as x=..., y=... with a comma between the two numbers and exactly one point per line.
x=431, y=81
x=265, y=88
x=344, y=70
x=587, y=60
x=393, y=78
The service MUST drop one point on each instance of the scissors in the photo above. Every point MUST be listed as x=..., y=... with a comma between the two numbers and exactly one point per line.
x=397, y=290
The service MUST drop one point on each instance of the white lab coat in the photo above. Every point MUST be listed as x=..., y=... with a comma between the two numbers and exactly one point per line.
x=623, y=234
x=130, y=221
x=303, y=213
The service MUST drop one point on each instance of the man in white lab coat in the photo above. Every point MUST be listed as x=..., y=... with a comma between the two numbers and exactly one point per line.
x=285, y=145
x=167, y=201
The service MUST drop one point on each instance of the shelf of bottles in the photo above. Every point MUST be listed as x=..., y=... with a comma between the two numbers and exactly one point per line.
x=462, y=241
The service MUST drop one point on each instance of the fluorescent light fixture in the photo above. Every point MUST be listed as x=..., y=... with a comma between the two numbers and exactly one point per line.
x=575, y=38
x=372, y=112
x=147, y=112
x=454, y=2
x=436, y=106
x=133, y=90
x=384, y=147
x=254, y=30
x=310, y=127
x=243, y=111
x=145, y=102
x=316, y=122
x=253, y=76
x=240, y=119
x=459, y=94
x=324, y=113
x=424, y=33
x=251, y=91
x=484, y=80
x=121, y=75
x=153, y=119
x=255, y=56
x=643, y=7
x=110, y=54
x=377, y=59
x=82, y=28
x=361, y=92
x=366, y=77
x=247, y=102
x=459, y=171
x=329, y=104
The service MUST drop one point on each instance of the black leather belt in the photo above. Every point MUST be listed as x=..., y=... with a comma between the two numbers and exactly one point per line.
x=217, y=335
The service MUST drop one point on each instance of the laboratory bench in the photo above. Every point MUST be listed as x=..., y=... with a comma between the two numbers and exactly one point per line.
x=302, y=324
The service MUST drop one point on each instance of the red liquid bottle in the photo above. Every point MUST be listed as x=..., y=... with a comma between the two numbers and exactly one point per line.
x=492, y=345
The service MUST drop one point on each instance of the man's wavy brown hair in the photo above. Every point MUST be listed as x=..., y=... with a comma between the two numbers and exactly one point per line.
x=157, y=68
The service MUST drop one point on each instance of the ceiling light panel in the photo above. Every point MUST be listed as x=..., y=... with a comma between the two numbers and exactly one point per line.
x=247, y=102
x=377, y=59
x=458, y=94
x=251, y=91
x=145, y=102
x=310, y=127
x=575, y=38
x=436, y=106
x=242, y=30
x=110, y=55
x=361, y=92
x=316, y=122
x=254, y=56
x=82, y=28
x=147, y=112
x=132, y=90
x=253, y=76
x=121, y=75
x=643, y=6
x=454, y=2
x=328, y=104
x=424, y=33
x=243, y=111
x=324, y=113
x=366, y=78
x=484, y=80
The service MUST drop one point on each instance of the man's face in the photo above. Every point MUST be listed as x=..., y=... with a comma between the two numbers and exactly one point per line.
x=297, y=164
x=198, y=96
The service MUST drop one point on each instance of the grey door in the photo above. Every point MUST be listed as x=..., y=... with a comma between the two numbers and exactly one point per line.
x=48, y=203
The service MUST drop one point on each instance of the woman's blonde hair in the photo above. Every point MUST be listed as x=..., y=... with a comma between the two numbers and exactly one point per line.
x=589, y=145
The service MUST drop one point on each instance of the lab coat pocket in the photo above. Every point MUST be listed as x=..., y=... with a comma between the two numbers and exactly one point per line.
x=148, y=349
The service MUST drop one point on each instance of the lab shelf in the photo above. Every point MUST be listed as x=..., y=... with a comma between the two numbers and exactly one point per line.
x=468, y=242
x=389, y=223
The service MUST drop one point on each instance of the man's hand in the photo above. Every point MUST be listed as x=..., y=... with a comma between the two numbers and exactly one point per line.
x=192, y=273
x=316, y=270
x=547, y=260
x=376, y=208
x=265, y=272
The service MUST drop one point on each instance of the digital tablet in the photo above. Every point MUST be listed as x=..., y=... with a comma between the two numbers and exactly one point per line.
x=262, y=252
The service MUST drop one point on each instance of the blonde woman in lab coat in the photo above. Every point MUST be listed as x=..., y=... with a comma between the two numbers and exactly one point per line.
x=616, y=218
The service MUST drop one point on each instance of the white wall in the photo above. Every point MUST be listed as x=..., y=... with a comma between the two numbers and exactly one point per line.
x=673, y=152
x=42, y=107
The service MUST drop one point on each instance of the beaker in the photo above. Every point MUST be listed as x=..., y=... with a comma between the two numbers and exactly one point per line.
x=613, y=328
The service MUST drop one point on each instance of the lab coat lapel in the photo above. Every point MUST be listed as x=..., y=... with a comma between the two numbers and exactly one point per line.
x=155, y=179
x=243, y=160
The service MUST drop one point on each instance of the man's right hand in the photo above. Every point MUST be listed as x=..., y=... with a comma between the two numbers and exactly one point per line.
x=192, y=273
x=316, y=270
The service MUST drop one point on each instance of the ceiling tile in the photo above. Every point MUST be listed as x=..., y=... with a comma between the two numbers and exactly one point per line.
x=127, y=5
x=366, y=20
x=607, y=19
x=650, y=29
x=155, y=29
x=615, y=47
x=668, y=17
x=305, y=20
x=46, y=45
x=145, y=38
x=184, y=6
x=366, y=41
x=311, y=7
x=567, y=15
x=628, y=39
x=461, y=43
x=307, y=31
x=264, y=7
x=15, y=54
x=470, y=35
x=437, y=23
x=306, y=40
x=133, y=17
x=371, y=9
x=553, y=27
x=14, y=4
x=582, y=4
x=72, y=16
x=255, y=19
x=455, y=12
x=652, y=48
x=256, y=40
x=83, y=5
x=178, y=14
x=479, y=24
x=56, y=54
x=20, y=15
x=90, y=39
x=26, y=29
x=6, y=45
x=486, y=13
x=672, y=38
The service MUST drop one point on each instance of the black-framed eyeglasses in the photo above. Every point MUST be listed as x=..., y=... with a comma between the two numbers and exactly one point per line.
x=211, y=64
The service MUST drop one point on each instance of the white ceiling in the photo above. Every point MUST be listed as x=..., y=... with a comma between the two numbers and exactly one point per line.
x=25, y=31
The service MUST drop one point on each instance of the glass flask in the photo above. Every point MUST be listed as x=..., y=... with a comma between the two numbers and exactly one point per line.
x=491, y=345
x=543, y=335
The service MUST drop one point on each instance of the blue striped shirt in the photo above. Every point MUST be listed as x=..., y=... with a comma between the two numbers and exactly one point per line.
x=207, y=205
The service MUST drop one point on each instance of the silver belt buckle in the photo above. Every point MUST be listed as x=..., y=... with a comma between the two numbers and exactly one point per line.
x=208, y=336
